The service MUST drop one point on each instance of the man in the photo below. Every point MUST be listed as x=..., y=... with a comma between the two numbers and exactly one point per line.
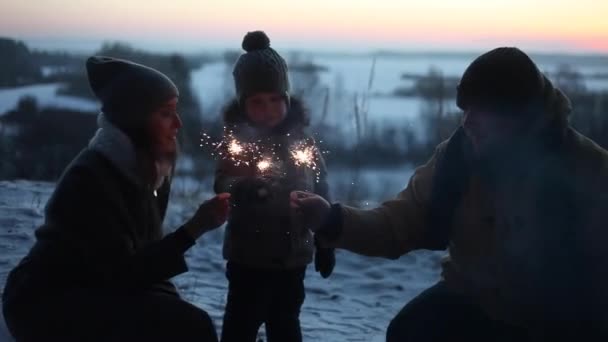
x=517, y=196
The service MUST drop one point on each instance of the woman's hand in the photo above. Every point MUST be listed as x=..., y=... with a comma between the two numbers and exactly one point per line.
x=209, y=216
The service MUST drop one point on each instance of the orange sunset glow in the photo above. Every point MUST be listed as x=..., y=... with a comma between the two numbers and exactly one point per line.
x=560, y=25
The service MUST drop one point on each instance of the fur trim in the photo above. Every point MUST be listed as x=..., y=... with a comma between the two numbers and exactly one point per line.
x=116, y=146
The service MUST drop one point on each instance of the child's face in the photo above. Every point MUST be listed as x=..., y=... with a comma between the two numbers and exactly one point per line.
x=266, y=109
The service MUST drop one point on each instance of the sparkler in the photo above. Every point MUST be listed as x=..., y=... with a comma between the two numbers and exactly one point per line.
x=304, y=156
x=235, y=147
x=240, y=153
x=264, y=165
x=303, y=153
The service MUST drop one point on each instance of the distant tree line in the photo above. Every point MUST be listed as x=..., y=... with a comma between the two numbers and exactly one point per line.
x=175, y=66
x=17, y=64
x=37, y=143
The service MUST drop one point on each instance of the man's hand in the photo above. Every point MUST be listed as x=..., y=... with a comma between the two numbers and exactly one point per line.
x=310, y=208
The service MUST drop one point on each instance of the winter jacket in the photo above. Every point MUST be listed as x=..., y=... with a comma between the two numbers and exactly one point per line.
x=262, y=232
x=525, y=229
x=102, y=230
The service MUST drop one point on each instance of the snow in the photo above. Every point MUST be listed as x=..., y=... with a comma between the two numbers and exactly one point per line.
x=213, y=86
x=355, y=304
x=349, y=76
x=358, y=301
x=54, y=70
x=46, y=95
x=21, y=211
x=4, y=334
x=345, y=77
x=597, y=84
x=355, y=71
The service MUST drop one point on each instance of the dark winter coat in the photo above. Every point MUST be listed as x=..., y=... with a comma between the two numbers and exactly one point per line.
x=263, y=233
x=102, y=232
x=526, y=229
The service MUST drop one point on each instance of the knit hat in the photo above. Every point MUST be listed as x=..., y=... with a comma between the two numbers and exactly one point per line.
x=260, y=68
x=128, y=91
x=504, y=79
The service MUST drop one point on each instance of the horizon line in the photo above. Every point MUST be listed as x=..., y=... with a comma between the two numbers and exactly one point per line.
x=34, y=43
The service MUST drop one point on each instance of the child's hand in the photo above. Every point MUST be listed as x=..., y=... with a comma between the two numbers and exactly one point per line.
x=250, y=190
x=210, y=215
x=310, y=208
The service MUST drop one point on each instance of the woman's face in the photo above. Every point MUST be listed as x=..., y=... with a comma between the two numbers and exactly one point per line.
x=266, y=109
x=164, y=125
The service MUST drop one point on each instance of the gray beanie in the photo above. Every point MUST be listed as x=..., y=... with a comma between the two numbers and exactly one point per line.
x=128, y=91
x=260, y=68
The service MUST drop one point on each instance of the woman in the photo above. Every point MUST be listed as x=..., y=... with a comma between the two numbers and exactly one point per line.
x=99, y=269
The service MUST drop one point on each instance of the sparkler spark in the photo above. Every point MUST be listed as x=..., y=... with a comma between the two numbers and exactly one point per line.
x=303, y=153
x=235, y=147
x=304, y=157
x=230, y=148
x=264, y=165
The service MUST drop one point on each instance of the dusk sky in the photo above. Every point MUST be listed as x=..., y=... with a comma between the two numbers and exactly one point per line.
x=572, y=26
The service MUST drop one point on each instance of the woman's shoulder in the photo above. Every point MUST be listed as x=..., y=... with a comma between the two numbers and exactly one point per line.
x=88, y=181
x=88, y=161
x=88, y=170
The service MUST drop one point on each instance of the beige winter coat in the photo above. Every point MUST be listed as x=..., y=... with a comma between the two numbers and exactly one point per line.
x=531, y=247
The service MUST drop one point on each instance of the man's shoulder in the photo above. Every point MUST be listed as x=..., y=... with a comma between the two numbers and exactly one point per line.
x=587, y=162
x=586, y=153
x=455, y=144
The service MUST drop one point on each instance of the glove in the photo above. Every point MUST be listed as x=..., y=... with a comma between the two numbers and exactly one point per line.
x=325, y=260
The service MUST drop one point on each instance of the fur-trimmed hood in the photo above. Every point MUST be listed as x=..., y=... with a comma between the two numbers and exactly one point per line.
x=118, y=148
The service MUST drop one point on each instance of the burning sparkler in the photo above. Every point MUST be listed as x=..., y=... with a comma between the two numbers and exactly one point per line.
x=303, y=153
x=264, y=165
x=232, y=149
x=304, y=156
x=235, y=147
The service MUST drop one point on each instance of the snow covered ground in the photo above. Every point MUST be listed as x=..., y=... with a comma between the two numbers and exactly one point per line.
x=349, y=76
x=355, y=304
x=21, y=210
x=46, y=95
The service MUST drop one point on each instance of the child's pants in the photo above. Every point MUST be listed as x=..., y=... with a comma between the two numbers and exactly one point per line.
x=257, y=296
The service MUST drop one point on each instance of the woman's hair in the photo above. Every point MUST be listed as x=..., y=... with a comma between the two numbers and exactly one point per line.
x=147, y=156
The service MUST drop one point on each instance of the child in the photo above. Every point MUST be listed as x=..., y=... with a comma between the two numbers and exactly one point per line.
x=267, y=251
